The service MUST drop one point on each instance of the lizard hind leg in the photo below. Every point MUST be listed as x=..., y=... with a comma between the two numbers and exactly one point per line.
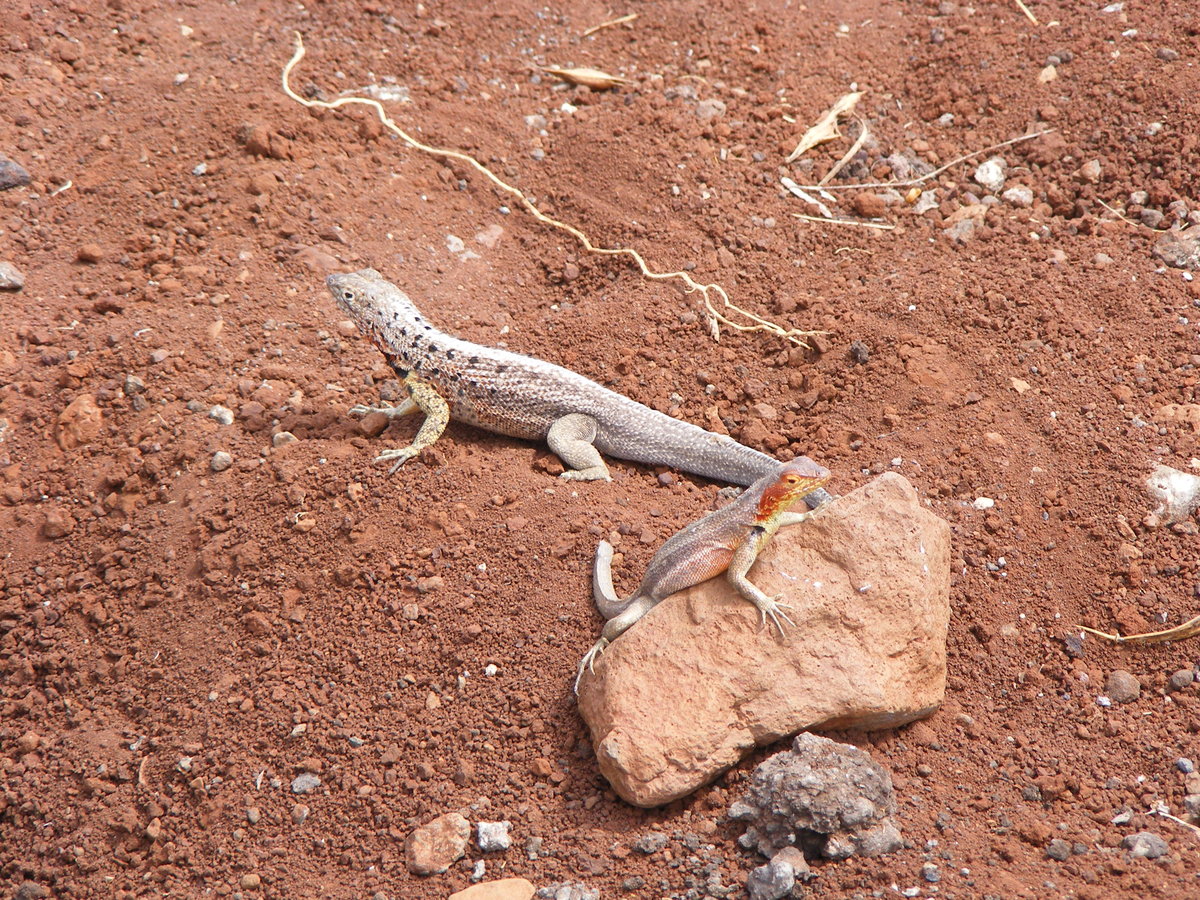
x=585, y=664
x=571, y=439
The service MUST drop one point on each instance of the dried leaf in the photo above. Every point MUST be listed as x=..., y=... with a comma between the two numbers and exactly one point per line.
x=826, y=128
x=592, y=78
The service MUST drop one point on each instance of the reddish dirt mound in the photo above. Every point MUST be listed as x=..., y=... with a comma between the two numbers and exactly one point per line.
x=177, y=644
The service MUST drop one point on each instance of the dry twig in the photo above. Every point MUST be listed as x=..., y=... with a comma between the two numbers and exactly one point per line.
x=1188, y=629
x=621, y=20
x=716, y=316
x=923, y=178
x=592, y=78
x=848, y=155
x=1025, y=9
x=860, y=223
x=1128, y=221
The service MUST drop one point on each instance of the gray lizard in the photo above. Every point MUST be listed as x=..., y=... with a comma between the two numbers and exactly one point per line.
x=529, y=398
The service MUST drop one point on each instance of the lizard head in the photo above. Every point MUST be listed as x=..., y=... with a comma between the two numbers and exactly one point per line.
x=370, y=300
x=795, y=479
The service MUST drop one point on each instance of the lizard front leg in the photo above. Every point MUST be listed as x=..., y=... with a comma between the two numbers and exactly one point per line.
x=571, y=438
x=424, y=397
x=744, y=556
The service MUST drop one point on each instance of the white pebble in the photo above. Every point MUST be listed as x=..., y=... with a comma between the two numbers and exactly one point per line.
x=990, y=174
x=493, y=836
x=222, y=414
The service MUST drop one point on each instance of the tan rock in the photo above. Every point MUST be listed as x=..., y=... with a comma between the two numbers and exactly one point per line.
x=79, y=423
x=698, y=682
x=504, y=889
x=437, y=845
x=1181, y=413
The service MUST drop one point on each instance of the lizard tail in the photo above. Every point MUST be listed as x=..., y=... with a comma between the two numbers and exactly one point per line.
x=605, y=595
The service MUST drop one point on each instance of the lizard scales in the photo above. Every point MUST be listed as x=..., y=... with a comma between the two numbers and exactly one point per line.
x=524, y=397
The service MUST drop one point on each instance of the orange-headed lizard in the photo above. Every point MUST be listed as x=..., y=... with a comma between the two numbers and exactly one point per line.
x=728, y=540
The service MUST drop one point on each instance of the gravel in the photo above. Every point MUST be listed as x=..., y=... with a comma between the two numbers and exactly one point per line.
x=650, y=843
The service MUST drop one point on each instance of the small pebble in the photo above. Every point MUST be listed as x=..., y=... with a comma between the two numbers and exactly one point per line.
x=773, y=881
x=1090, y=171
x=221, y=461
x=1018, y=196
x=12, y=174
x=1180, y=680
x=1122, y=687
x=1185, y=765
x=90, y=253
x=283, y=438
x=650, y=843
x=1151, y=218
x=533, y=847
x=930, y=873
x=251, y=881
x=300, y=811
x=222, y=414
x=253, y=815
x=1145, y=844
x=305, y=782
x=991, y=174
x=493, y=836
x=1058, y=849
x=133, y=385
x=11, y=278
x=1166, y=54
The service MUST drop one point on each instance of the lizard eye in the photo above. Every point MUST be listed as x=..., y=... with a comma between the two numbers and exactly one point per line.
x=347, y=295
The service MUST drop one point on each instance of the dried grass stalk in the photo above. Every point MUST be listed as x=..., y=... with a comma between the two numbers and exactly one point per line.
x=716, y=313
x=592, y=78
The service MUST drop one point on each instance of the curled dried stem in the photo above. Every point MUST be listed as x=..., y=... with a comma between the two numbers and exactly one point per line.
x=717, y=315
x=1187, y=629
